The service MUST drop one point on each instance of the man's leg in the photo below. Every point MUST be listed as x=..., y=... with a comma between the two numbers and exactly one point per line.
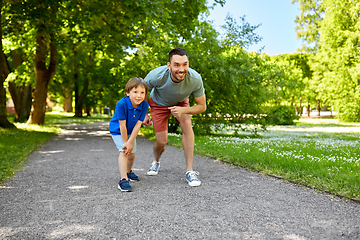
x=158, y=149
x=188, y=140
x=159, y=145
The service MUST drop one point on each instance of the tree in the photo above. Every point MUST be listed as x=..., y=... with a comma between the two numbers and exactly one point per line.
x=4, y=122
x=309, y=22
x=337, y=61
x=19, y=87
x=110, y=29
x=294, y=87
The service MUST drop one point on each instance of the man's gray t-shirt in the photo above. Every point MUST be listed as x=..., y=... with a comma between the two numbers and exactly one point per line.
x=165, y=92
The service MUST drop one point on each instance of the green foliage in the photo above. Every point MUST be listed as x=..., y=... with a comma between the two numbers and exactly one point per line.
x=309, y=22
x=294, y=86
x=282, y=115
x=331, y=27
x=337, y=61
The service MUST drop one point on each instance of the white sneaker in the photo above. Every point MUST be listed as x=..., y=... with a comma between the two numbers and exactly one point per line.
x=192, y=179
x=154, y=168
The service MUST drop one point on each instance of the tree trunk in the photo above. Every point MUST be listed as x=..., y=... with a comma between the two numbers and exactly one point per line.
x=88, y=111
x=43, y=77
x=308, y=110
x=318, y=107
x=68, y=100
x=4, y=122
x=78, y=100
x=21, y=95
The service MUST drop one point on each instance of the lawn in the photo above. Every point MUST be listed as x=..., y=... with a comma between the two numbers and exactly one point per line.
x=322, y=154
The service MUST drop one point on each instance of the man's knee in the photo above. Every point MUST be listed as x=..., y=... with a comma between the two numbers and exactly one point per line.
x=161, y=142
x=161, y=139
x=185, y=122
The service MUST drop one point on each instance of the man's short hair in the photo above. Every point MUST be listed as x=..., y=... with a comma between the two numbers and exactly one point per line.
x=177, y=51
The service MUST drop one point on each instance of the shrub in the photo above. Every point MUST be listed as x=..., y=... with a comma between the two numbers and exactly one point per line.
x=281, y=115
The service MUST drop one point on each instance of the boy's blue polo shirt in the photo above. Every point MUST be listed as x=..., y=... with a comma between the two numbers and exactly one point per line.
x=125, y=111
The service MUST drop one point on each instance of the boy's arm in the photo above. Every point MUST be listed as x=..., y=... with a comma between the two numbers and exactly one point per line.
x=123, y=130
x=135, y=131
x=129, y=144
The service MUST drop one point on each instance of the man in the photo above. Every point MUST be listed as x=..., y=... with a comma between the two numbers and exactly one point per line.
x=171, y=87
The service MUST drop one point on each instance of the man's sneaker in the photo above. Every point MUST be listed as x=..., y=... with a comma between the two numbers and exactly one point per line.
x=154, y=168
x=132, y=176
x=124, y=185
x=191, y=178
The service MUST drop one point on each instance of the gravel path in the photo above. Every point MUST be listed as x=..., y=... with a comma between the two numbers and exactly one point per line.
x=68, y=190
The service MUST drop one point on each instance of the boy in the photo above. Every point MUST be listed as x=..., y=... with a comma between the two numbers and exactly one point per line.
x=124, y=126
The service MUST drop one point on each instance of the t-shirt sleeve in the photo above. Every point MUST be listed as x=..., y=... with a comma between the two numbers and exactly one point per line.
x=199, y=88
x=151, y=80
x=144, y=111
x=120, y=111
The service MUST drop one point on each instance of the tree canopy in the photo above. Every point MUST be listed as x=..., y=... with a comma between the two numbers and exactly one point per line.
x=81, y=53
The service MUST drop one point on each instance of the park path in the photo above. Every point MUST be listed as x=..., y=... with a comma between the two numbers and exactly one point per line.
x=68, y=190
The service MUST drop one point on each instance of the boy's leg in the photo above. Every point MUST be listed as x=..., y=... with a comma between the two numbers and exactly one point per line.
x=131, y=157
x=123, y=160
x=130, y=162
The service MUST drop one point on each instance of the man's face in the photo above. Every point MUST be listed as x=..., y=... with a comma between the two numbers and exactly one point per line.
x=178, y=66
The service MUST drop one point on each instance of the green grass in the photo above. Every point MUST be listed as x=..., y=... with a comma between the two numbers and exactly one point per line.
x=59, y=119
x=17, y=144
x=316, y=157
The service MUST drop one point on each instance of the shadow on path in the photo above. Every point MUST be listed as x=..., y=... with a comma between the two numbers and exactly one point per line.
x=68, y=190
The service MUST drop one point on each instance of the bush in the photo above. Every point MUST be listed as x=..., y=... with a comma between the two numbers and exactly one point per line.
x=281, y=115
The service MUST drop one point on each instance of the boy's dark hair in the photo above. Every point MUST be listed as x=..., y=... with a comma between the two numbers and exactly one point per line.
x=177, y=51
x=134, y=83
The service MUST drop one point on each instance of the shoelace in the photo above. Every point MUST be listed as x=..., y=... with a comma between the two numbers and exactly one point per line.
x=153, y=166
x=192, y=175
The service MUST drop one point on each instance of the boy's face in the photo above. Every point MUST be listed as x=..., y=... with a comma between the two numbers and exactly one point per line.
x=137, y=95
x=178, y=67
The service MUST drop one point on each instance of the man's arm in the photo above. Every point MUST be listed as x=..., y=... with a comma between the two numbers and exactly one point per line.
x=200, y=107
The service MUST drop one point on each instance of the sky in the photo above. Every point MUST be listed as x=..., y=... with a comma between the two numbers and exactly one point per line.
x=275, y=16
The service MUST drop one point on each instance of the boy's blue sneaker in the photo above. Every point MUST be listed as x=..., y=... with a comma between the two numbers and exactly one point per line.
x=124, y=185
x=191, y=178
x=132, y=176
x=154, y=168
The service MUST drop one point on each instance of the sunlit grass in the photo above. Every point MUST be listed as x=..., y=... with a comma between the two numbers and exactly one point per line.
x=68, y=118
x=321, y=157
x=17, y=144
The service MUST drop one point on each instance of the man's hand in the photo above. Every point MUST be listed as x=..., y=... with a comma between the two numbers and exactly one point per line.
x=177, y=111
x=147, y=121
